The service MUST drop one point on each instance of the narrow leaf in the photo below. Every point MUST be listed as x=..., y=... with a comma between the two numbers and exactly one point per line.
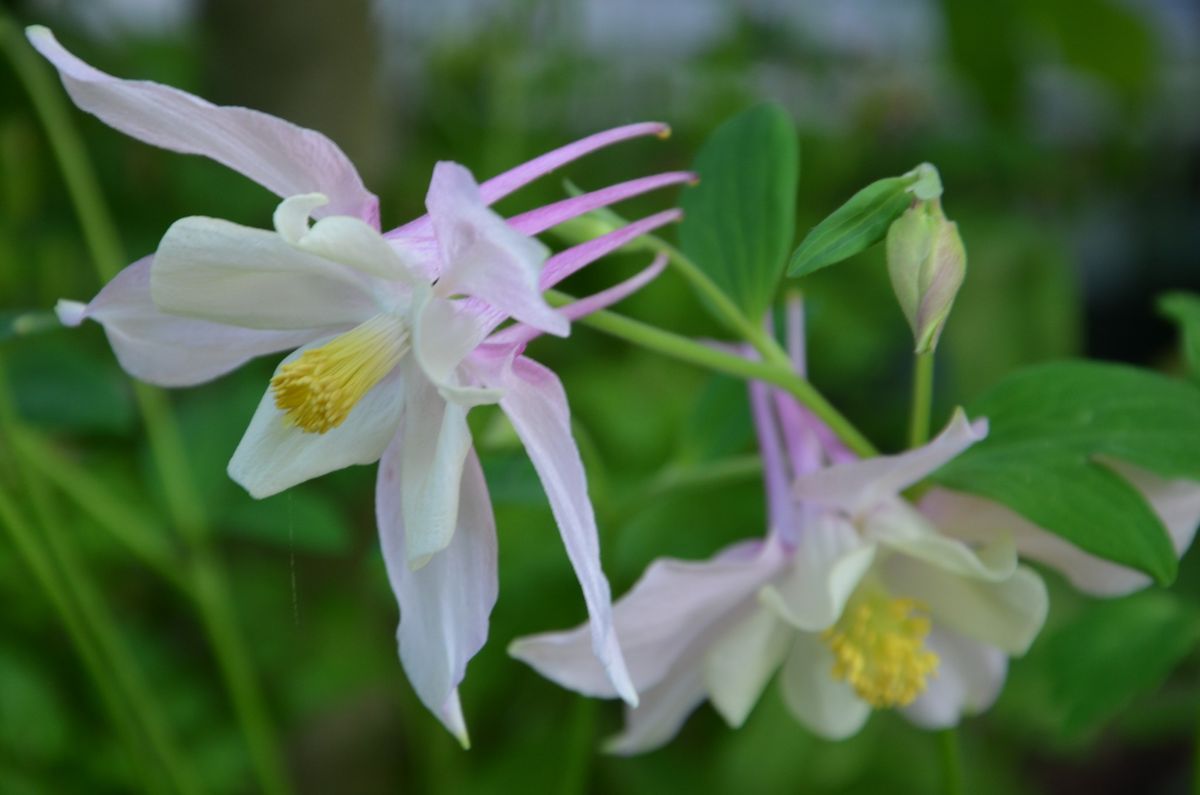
x=739, y=221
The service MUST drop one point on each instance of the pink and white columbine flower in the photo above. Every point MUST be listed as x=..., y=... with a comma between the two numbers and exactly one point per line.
x=861, y=600
x=395, y=339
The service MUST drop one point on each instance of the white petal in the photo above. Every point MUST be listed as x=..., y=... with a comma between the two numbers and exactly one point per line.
x=1006, y=614
x=444, y=607
x=174, y=351
x=826, y=706
x=969, y=678
x=662, y=712
x=858, y=485
x=900, y=527
x=275, y=153
x=436, y=443
x=742, y=661
x=275, y=455
x=829, y=562
x=339, y=238
x=443, y=333
x=226, y=273
x=660, y=621
x=537, y=407
x=483, y=256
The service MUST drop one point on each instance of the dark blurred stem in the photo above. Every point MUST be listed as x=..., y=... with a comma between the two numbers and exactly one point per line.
x=922, y=399
x=580, y=749
x=183, y=503
x=952, y=770
x=679, y=347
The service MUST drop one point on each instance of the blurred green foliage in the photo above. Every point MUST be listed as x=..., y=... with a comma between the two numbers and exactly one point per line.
x=666, y=446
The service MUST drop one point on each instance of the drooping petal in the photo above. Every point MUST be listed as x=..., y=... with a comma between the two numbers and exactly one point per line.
x=826, y=706
x=274, y=454
x=167, y=350
x=277, y=154
x=482, y=256
x=901, y=527
x=435, y=447
x=1006, y=614
x=858, y=485
x=829, y=561
x=537, y=407
x=550, y=215
x=662, y=712
x=339, y=238
x=1176, y=502
x=444, y=606
x=226, y=273
x=521, y=334
x=565, y=263
x=969, y=678
x=741, y=662
x=673, y=604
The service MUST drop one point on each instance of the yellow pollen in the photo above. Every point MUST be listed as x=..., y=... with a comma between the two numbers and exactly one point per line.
x=879, y=648
x=318, y=390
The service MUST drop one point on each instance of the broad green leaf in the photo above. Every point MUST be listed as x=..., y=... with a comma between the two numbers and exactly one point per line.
x=1113, y=652
x=719, y=422
x=740, y=220
x=863, y=220
x=1052, y=426
x=1184, y=309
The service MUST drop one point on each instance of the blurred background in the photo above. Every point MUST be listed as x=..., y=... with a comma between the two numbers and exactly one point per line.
x=1068, y=139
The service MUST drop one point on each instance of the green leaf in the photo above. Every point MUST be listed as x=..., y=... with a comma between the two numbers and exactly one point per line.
x=1184, y=309
x=862, y=221
x=1114, y=651
x=740, y=220
x=1052, y=426
x=22, y=323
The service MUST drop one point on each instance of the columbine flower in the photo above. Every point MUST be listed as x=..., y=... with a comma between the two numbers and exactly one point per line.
x=395, y=339
x=863, y=602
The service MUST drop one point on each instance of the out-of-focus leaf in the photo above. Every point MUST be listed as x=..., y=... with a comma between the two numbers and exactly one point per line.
x=1114, y=651
x=1184, y=309
x=297, y=519
x=23, y=323
x=33, y=725
x=1048, y=425
x=719, y=422
x=863, y=220
x=739, y=221
x=59, y=385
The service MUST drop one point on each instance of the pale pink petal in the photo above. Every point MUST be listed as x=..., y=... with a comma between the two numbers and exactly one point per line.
x=826, y=706
x=484, y=257
x=274, y=454
x=858, y=485
x=226, y=273
x=521, y=334
x=568, y=262
x=658, y=622
x=543, y=218
x=655, y=721
x=173, y=351
x=277, y=154
x=434, y=451
x=969, y=678
x=537, y=407
x=444, y=606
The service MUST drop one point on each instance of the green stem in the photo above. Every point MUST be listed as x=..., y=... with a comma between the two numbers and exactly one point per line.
x=183, y=503
x=679, y=347
x=922, y=399
x=952, y=767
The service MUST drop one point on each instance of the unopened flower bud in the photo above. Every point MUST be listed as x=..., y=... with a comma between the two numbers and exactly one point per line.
x=926, y=262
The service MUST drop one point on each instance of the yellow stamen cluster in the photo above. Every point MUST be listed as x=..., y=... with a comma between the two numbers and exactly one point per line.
x=318, y=390
x=879, y=647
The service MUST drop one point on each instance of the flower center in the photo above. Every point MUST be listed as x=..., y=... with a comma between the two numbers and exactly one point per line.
x=317, y=391
x=879, y=646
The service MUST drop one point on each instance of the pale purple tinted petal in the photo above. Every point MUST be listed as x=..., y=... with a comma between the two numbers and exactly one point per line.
x=543, y=218
x=662, y=712
x=521, y=334
x=175, y=351
x=444, y=606
x=537, y=407
x=969, y=677
x=795, y=334
x=858, y=485
x=658, y=621
x=484, y=257
x=277, y=154
x=565, y=263
x=780, y=514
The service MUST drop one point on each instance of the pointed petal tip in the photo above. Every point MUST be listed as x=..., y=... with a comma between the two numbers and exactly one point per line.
x=70, y=313
x=664, y=132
